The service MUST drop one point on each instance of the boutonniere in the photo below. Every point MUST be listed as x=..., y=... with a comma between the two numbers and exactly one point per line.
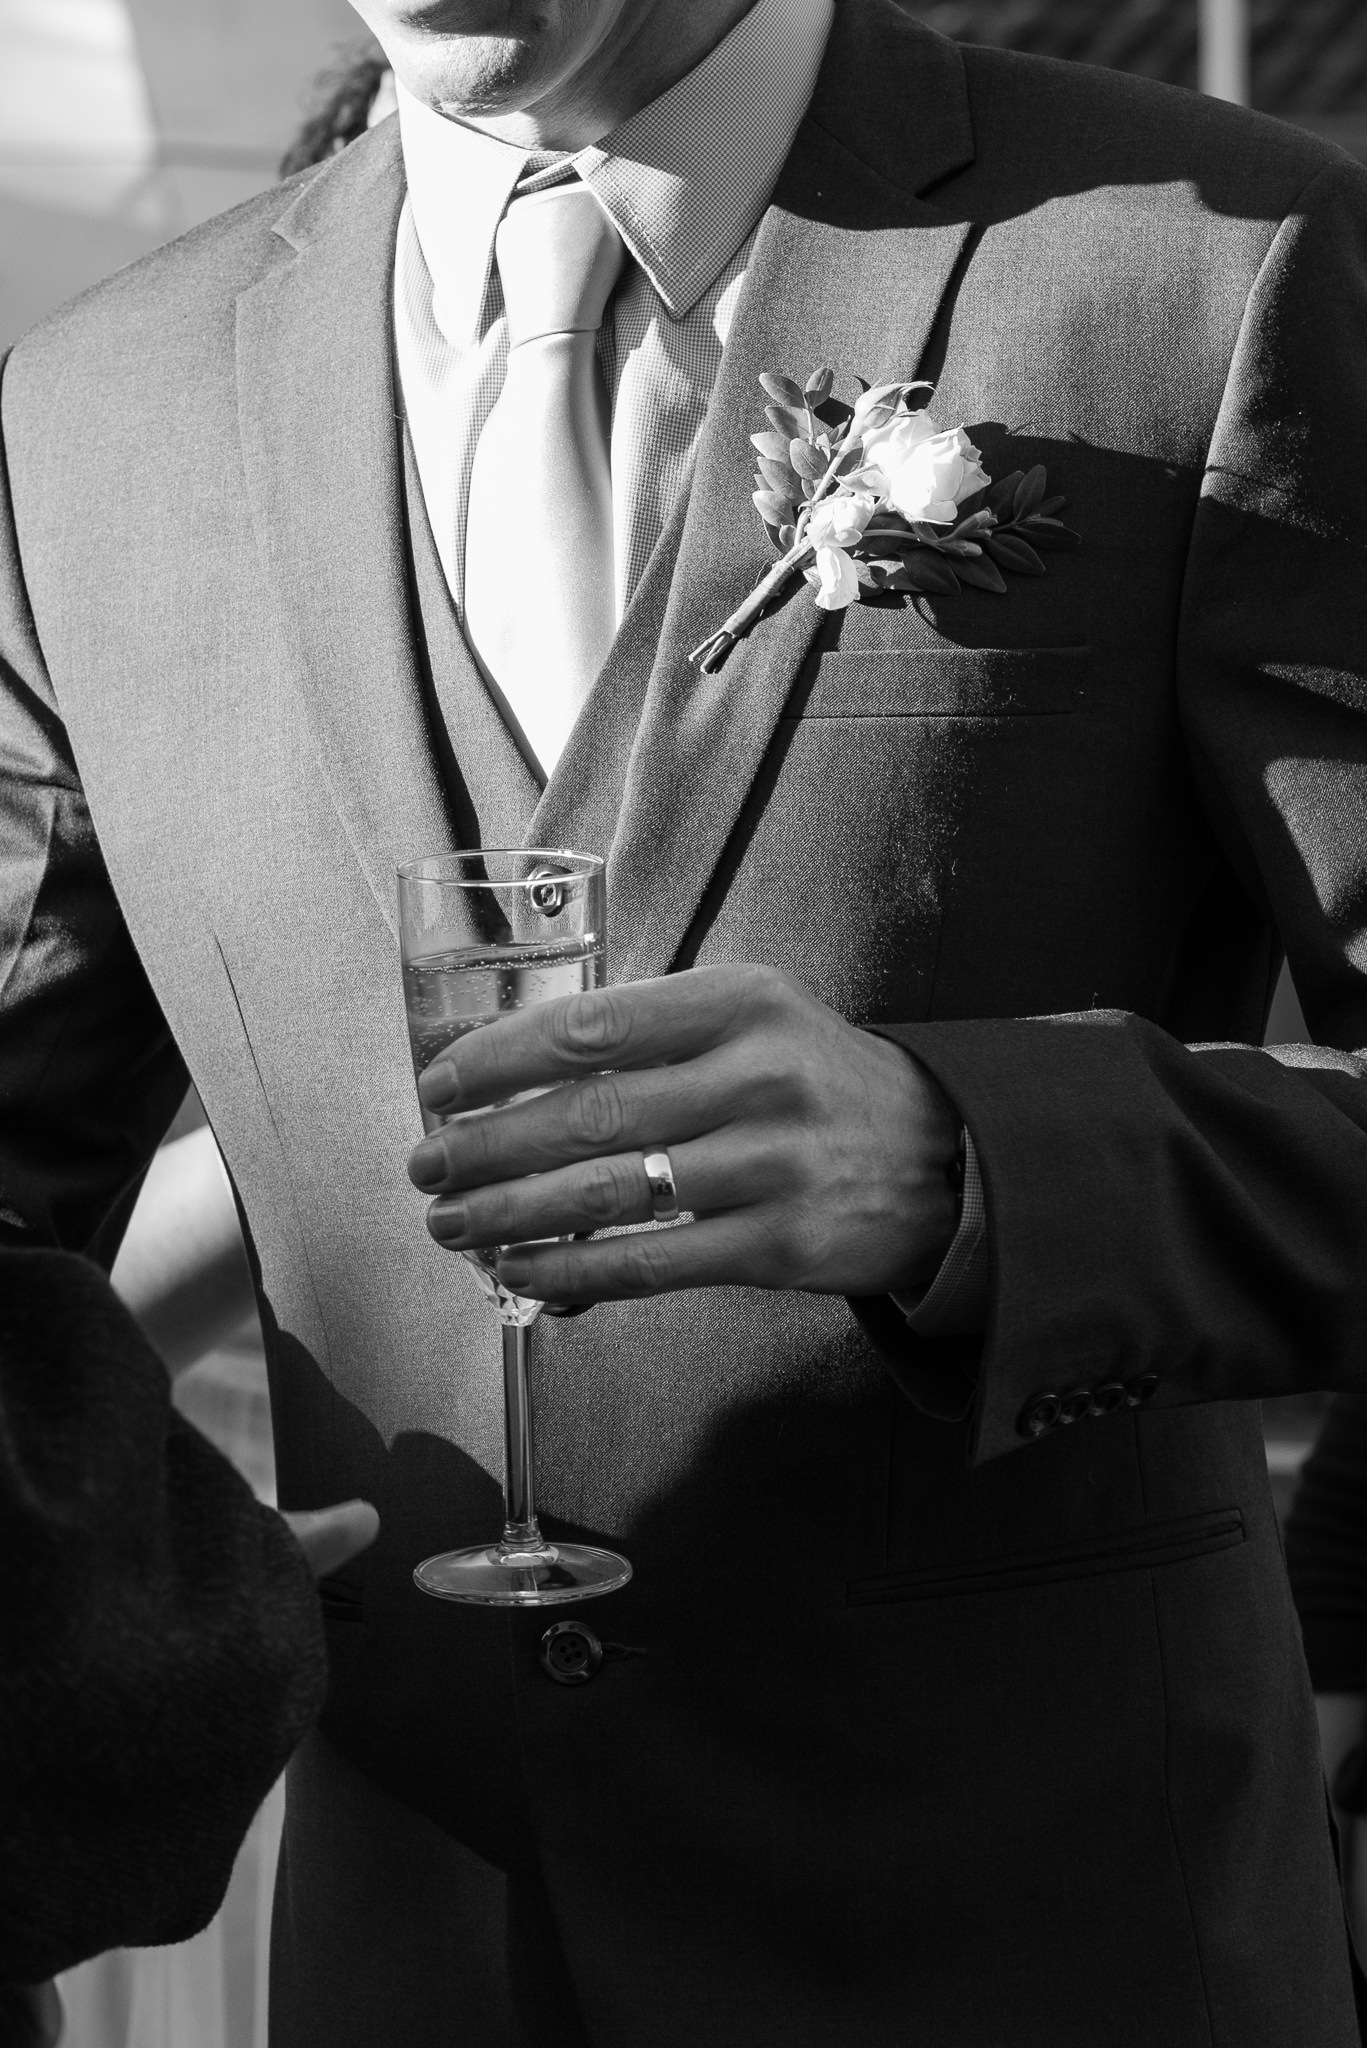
x=876, y=496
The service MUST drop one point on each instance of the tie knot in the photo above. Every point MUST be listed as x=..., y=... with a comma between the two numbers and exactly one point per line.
x=559, y=257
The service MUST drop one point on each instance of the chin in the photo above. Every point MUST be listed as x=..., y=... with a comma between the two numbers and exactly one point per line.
x=485, y=75
x=478, y=56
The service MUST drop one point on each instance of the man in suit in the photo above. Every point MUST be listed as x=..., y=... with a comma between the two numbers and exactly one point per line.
x=968, y=1704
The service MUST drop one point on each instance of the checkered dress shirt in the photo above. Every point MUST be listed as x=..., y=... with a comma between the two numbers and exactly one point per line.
x=685, y=181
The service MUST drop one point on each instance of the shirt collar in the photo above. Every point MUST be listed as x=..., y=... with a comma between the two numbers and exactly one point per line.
x=459, y=183
x=684, y=180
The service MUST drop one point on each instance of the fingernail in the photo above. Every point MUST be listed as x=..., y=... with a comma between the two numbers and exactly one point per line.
x=438, y=1086
x=446, y=1219
x=514, y=1270
x=427, y=1164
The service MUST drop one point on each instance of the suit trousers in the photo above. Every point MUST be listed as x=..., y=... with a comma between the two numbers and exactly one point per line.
x=443, y=1950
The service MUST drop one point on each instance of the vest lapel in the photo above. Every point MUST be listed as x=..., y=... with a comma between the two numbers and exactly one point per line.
x=494, y=790
x=316, y=412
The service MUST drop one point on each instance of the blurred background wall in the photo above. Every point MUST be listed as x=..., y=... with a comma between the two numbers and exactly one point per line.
x=1303, y=60
x=124, y=122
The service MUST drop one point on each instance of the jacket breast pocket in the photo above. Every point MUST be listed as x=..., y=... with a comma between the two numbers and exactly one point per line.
x=1144, y=1549
x=942, y=682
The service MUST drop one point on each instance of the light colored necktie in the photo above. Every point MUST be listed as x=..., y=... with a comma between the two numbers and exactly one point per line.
x=540, y=607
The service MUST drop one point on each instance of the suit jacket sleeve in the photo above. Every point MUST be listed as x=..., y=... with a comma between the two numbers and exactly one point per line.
x=160, y=1636
x=89, y=1075
x=1198, y=1214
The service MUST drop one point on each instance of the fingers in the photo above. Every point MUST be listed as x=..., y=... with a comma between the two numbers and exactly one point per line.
x=593, y=1118
x=598, y=1194
x=812, y=1154
x=330, y=1537
x=723, y=1251
x=640, y=1024
x=31, y=2015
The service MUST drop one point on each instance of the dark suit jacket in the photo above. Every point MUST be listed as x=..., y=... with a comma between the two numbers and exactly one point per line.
x=930, y=1741
x=160, y=1644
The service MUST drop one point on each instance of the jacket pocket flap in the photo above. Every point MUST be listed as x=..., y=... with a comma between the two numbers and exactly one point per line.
x=943, y=682
x=1158, y=1543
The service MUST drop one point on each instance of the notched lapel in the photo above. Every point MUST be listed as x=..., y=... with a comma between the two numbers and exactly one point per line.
x=320, y=445
x=848, y=269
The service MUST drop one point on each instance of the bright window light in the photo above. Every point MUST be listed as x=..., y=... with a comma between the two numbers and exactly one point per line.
x=76, y=124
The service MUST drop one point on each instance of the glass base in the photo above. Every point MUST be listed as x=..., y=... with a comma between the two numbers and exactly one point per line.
x=543, y=1575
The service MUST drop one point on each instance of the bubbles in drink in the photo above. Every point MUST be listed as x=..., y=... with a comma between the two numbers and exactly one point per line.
x=448, y=994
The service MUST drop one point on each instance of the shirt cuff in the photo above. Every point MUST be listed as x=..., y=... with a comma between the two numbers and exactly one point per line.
x=955, y=1302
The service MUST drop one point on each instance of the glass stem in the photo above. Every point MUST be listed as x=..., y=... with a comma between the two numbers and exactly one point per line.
x=520, y=1531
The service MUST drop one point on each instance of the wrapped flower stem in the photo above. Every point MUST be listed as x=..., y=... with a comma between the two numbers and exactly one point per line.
x=714, y=650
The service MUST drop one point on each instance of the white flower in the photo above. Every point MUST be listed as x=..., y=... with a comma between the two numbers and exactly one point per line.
x=905, y=432
x=836, y=578
x=839, y=521
x=927, y=472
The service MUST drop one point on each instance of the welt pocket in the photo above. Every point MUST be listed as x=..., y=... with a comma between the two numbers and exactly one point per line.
x=1145, y=1549
x=943, y=682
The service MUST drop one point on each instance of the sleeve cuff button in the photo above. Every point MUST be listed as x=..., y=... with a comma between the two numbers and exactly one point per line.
x=1039, y=1416
x=1108, y=1398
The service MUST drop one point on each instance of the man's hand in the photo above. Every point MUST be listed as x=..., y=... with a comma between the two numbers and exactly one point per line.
x=812, y=1155
x=330, y=1537
x=30, y=2016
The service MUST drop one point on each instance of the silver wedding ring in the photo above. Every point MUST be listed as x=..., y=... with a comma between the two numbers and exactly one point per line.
x=664, y=1196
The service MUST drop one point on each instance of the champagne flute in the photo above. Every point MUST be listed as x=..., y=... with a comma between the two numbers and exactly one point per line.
x=482, y=934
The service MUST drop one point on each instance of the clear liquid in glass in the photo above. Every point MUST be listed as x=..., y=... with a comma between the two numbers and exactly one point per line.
x=449, y=994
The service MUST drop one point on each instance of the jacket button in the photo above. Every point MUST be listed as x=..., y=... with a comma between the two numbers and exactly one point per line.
x=1075, y=1405
x=1107, y=1399
x=1141, y=1388
x=1039, y=1416
x=570, y=1653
